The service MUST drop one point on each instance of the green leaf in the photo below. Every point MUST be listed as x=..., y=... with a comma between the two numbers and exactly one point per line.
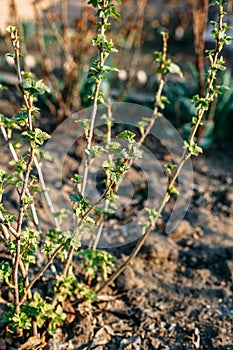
x=175, y=69
x=85, y=123
x=73, y=238
x=173, y=190
x=88, y=293
x=11, y=29
x=58, y=317
x=192, y=148
x=2, y=87
x=94, y=3
x=127, y=135
x=35, y=87
x=9, y=124
x=98, y=264
x=109, y=164
x=10, y=54
x=21, y=321
x=21, y=118
x=5, y=270
x=37, y=136
x=153, y=215
x=99, y=40
x=4, y=176
x=8, y=219
x=76, y=198
x=41, y=309
x=201, y=102
x=170, y=167
x=27, y=75
x=41, y=136
x=115, y=13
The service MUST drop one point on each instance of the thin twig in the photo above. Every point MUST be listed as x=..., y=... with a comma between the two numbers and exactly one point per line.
x=45, y=192
x=148, y=128
x=107, y=202
x=16, y=159
x=14, y=17
x=102, y=59
x=40, y=273
x=19, y=226
x=200, y=16
x=210, y=94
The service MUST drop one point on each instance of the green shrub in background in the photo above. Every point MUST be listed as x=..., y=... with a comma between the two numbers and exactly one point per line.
x=181, y=109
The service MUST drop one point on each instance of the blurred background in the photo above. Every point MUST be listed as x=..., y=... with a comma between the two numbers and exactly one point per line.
x=56, y=47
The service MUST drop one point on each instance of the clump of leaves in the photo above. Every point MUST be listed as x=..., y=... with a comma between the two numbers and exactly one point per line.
x=98, y=264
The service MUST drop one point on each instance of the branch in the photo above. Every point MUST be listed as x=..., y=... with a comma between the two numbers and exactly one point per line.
x=40, y=273
x=210, y=95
